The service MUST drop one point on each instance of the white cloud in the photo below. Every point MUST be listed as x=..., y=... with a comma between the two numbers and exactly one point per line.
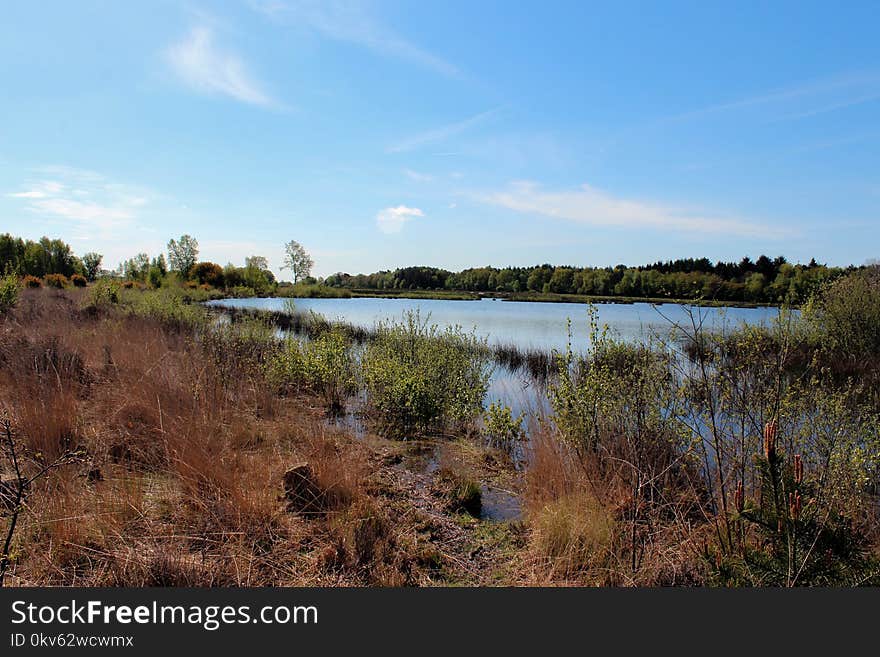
x=417, y=176
x=41, y=189
x=441, y=133
x=588, y=205
x=102, y=216
x=199, y=63
x=95, y=207
x=392, y=220
x=350, y=22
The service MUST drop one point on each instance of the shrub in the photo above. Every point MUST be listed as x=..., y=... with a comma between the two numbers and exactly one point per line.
x=421, y=379
x=594, y=396
x=207, y=273
x=329, y=367
x=9, y=289
x=501, y=429
x=155, y=277
x=56, y=280
x=78, y=280
x=323, y=365
x=104, y=293
x=32, y=282
x=128, y=285
x=845, y=316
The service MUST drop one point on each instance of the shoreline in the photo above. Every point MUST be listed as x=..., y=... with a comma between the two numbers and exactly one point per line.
x=534, y=297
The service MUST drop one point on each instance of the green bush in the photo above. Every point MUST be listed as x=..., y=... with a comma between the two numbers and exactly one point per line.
x=9, y=289
x=846, y=315
x=594, y=396
x=501, y=430
x=323, y=365
x=104, y=293
x=421, y=379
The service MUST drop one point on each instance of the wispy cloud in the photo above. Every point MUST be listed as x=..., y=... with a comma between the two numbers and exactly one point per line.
x=86, y=202
x=418, y=176
x=590, y=206
x=203, y=66
x=349, y=21
x=392, y=220
x=814, y=97
x=440, y=133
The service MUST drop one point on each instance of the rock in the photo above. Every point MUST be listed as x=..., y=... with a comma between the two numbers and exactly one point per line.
x=301, y=490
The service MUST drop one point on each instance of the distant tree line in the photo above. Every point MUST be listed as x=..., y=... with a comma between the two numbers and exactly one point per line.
x=762, y=280
x=54, y=257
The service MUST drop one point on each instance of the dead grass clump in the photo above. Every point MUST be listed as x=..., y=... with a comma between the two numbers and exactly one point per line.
x=164, y=563
x=364, y=541
x=48, y=421
x=138, y=439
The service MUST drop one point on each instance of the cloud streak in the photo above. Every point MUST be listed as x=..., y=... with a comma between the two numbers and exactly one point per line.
x=204, y=67
x=844, y=90
x=349, y=22
x=441, y=133
x=590, y=206
x=392, y=220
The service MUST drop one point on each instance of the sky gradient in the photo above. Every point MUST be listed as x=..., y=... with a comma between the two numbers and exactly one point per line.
x=454, y=134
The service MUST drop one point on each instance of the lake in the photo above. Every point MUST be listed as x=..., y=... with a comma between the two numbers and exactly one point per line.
x=523, y=323
x=526, y=324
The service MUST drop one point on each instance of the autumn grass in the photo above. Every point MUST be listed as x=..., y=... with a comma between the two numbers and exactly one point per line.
x=185, y=444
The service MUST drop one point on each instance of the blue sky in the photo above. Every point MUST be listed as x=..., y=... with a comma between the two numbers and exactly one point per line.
x=455, y=134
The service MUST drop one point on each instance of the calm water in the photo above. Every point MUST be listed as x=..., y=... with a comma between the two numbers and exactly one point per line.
x=526, y=324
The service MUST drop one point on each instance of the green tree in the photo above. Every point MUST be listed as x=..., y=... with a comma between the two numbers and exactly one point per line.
x=92, y=265
x=256, y=262
x=297, y=260
x=182, y=254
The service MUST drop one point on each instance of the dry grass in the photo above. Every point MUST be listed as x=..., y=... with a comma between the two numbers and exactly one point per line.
x=184, y=458
x=589, y=528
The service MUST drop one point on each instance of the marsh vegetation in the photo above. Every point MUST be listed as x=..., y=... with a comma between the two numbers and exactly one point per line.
x=164, y=443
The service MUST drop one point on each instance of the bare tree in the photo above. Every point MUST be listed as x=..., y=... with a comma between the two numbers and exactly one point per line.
x=297, y=261
x=25, y=471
